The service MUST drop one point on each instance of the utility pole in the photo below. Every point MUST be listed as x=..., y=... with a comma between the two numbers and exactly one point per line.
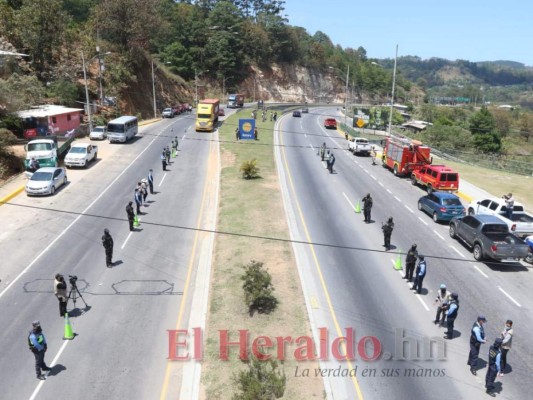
x=392, y=93
x=196, y=87
x=86, y=93
x=346, y=94
x=153, y=89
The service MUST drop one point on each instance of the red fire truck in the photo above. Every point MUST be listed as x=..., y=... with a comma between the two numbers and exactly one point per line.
x=403, y=156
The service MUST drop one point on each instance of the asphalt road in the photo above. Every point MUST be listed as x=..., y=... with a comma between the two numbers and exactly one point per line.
x=121, y=343
x=359, y=287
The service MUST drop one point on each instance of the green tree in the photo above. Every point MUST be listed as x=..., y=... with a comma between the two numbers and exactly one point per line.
x=262, y=381
x=63, y=91
x=19, y=92
x=526, y=125
x=258, y=289
x=482, y=122
x=41, y=25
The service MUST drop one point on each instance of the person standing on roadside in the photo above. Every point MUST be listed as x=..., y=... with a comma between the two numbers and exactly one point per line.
x=373, y=155
x=164, y=160
x=107, y=242
x=151, y=181
x=494, y=367
x=38, y=347
x=509, y=205
x=168, y=154
x=477, y=338
x=60, y=290
x=131, y=214
x=138, y=200
x=507, y=339
x=367, y=207
x=144, y=189
x=442, y=301
x=387, y=232
x=451, y=315
x=410, y=261
x=420, y=274
x=237, y=133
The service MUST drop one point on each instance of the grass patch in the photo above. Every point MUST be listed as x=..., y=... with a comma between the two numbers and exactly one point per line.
x=252, y=206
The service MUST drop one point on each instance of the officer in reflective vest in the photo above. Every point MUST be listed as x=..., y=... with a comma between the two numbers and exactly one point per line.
x=477, y=337
x=494, y=366
x=451, y=315
x=38, y=347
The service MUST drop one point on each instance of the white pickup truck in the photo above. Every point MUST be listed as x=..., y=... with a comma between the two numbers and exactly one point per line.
x=81, y=154
x=360, y=145
x=521, y=223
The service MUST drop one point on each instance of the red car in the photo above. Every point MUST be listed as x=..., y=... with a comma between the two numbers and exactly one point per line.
x=221, y=112
x=176, y=109
x=330, y=123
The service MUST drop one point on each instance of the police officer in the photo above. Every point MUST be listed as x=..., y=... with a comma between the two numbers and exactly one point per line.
x=151, y=180
x=237, y=133
x=494, y=366
x=367, y=207
x=420, y=274
x=164, y=160
x=60, y=290
x=451, y=315
x=331, y=162
x=131, y=214
x=410, y=261
x=38, y=347
x=107, y=242
x=176, y=144
x=167, y=154
x=387, y=232
x=477, y=337
x=138, y=200
x=323, y=150
x=442, y=301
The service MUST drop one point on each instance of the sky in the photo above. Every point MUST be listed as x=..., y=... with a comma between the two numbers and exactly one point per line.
x=473, y=30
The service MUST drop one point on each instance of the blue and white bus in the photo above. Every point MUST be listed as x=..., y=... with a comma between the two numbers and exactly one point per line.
x=122, y=129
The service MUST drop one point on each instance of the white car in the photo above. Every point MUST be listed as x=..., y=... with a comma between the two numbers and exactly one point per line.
x=98, y=132
x=168, y=113
x=46, y=181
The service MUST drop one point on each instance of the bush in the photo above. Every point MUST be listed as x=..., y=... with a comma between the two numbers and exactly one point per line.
x=249, y=169
x=258, y=289
x=262, y=381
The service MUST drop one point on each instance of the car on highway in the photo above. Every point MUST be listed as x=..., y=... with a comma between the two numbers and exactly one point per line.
x=330, y=123
x=436, y=177
x=167, y=113
x=296, y=114
x=46, y=181
x=221, y=112
x=441, y=206
x=305, y=110
x=488, y=237
x=98, y=132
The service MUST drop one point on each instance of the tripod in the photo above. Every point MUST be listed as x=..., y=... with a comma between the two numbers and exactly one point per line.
x=74, y=294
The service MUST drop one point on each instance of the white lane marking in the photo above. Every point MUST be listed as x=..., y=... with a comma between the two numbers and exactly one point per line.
x=457, y=251
x=381, y=184
x=388, y=190
x=424, y=222
x=41, y=383
x=373, y=177
x=364, y=169
x=438, y=234
x=510, y=298
x=409, y=209
x=481, y=272
x=348, y=200
x=397, y=198
x=162, y=179
x=77, y=218
x=305, y=134
x=126, y=241
x=310, y=145
x=422, y=301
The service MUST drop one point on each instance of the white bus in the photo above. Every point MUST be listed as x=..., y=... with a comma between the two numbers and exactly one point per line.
x=122, y=129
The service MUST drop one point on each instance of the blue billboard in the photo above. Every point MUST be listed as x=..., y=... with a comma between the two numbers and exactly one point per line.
x=246, y=129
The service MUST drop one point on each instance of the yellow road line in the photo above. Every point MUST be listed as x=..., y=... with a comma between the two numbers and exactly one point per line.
x=14, y=193
x=317, y=264
x=210, y=164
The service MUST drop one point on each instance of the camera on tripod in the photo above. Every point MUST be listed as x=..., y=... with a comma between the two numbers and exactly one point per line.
x=72, y=279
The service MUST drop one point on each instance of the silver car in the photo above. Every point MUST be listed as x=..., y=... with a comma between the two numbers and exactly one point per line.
x=46, y=181
x=98, y=132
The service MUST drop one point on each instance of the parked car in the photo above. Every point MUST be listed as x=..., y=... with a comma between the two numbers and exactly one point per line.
x=489, y=237
x=441, y=206
x=221, y=112
x=296, y=114
x=81, y=154
x=436, y=177
x=167, y=113
x=305, y=110
x=521, y=223
x=176, y=109
x=98, y=132
x=330, y=123
x=46, y=181
x=359, y=145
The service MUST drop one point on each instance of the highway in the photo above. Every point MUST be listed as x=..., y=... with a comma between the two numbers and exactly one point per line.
x=121, y=341
x=359, y=287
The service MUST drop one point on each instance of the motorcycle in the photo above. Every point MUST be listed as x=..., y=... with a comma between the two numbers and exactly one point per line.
x=529, y=257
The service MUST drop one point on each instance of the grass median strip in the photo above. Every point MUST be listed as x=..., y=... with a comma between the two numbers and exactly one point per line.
x=253, y=206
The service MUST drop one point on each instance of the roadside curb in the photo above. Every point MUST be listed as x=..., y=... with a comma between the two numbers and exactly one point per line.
x=464, y=196
x=149, y=121
x=14, y=193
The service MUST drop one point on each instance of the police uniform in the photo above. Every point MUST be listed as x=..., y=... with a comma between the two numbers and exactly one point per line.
x=131, y=214
x=60, y=290
x=477, y=337
x=387, y=232
x=164, y=160
x=151, y=181
x=138, y=200
x=367, y=207
x=451, y=315
x=494, y=366
x=410, y=261
x=107, y=242
x=420, y=274
x=38, y=346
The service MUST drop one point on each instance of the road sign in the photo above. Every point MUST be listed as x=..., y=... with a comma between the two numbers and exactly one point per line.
x=246, y=129
x=360, y=122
